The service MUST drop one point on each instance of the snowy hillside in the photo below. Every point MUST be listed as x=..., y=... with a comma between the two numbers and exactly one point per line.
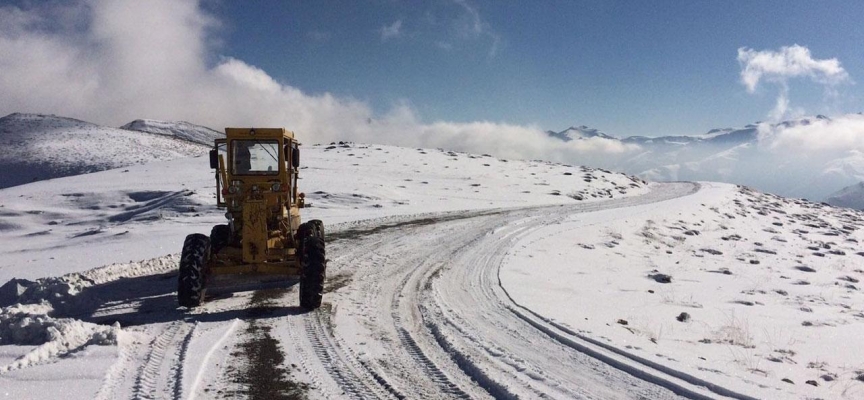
x=850, y=196
x=450, y=275
x=735, y=287
x=180, y=130
x=38, y=147
x=145, y=204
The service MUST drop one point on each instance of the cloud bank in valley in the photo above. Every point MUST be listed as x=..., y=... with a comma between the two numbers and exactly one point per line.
x=833, y=136
x=111, y=62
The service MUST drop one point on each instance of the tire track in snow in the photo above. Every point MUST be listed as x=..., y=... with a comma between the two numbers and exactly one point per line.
x=199, y=376
x=156, y=378
x=182, y=354
x=434, y=372
x=470, y=289
x=116, y=374
x=351, y=375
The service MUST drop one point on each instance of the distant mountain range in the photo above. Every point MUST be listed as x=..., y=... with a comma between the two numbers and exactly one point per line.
x=850, y=197
x=734, y=155
x=38, y=146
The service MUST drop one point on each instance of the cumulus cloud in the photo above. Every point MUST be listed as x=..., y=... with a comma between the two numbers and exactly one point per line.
x=111, y=62
x=789, y=62
x=391, y=31
x=779, y=66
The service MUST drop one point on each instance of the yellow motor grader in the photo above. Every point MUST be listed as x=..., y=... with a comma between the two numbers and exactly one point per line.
x=256, y=182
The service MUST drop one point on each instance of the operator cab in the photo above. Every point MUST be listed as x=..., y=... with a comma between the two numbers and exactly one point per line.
x=255, y=157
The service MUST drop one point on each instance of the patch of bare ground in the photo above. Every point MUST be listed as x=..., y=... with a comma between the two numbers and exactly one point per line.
x=261, y=373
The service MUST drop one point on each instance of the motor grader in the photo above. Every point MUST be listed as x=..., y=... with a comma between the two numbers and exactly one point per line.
x=256, y=183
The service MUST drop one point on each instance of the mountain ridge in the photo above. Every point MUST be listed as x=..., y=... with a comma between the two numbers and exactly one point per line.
x=745, y=155
x=46, y=146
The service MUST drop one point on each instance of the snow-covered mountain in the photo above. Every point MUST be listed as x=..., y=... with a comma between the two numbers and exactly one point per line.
x=744, y=156
x=578, y=133
x=37, y=147
x=180, y=130
x=850, y=197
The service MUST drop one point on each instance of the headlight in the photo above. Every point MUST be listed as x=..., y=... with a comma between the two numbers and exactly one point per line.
x=233, y=189
x=276, y=187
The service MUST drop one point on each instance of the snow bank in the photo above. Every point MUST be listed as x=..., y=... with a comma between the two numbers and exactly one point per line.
x=32, y=319
x=64, y=293
x=30, y=325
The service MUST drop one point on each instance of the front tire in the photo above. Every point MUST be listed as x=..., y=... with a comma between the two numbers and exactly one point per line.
x=193, y=267
x=313, y=271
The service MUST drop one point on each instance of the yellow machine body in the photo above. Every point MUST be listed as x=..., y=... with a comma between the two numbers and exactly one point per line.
x=256, y=180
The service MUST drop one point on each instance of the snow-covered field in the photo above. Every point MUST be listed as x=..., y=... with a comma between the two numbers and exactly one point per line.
x=450, y=275
x=730, y=286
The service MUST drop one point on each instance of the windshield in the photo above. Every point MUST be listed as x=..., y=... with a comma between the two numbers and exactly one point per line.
x=255, y=157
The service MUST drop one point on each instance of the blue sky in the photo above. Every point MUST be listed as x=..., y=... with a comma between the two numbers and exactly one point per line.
x=626, y=67
x=444, y=72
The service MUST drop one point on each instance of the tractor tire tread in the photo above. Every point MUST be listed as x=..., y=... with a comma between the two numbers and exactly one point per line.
x=193, y=268
x=313, y=272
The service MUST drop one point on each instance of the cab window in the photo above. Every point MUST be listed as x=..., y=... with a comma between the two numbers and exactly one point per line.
x=255, y=157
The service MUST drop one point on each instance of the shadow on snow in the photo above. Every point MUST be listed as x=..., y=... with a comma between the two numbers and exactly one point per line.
x=153, y=299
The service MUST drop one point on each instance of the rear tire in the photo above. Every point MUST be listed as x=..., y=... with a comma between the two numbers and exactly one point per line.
x=193, y=269
x=317, y=228
x=311, y=228
x=313, y=271
x=220, y=236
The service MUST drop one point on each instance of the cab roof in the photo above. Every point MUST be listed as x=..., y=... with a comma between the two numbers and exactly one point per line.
x=269, y=133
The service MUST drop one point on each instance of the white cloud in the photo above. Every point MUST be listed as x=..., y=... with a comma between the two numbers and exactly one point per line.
x=391, y=31
x=111, y=62
x=779, y=66
x=789, y=62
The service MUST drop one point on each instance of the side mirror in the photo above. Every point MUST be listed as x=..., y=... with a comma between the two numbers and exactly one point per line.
x=295, y=157
x=214, y=159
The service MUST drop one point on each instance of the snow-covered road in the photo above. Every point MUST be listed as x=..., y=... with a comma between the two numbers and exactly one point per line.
x=414, y=309
x=429, y=298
